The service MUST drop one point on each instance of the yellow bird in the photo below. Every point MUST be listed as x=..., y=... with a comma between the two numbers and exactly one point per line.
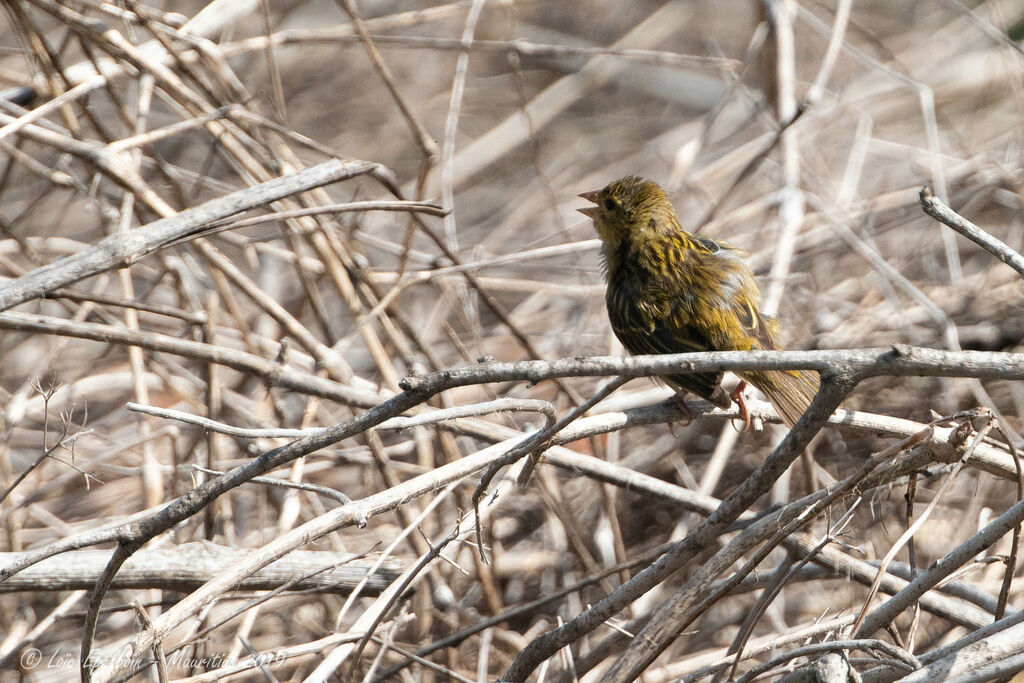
x=673, y=292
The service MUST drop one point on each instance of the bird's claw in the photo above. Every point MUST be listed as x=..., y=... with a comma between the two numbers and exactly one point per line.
x=737, y=396
x=688, y=415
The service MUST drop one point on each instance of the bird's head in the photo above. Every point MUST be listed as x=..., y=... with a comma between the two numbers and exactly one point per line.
x=627, y=206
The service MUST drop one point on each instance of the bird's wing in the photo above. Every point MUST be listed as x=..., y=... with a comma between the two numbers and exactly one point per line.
x=739, y=298
x=714, y=246
x=758, y=328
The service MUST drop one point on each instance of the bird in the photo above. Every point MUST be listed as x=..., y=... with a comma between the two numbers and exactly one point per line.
x=670, y=291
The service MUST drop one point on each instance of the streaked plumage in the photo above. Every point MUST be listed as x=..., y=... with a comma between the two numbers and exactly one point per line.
x=673, y=292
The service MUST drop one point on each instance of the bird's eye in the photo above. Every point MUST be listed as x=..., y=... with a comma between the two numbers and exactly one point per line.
x=610, y=204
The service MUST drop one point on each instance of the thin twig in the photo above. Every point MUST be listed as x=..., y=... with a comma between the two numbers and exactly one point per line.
x=945, y=215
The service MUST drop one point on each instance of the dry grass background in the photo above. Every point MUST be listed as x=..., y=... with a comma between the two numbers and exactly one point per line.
x=552, y=99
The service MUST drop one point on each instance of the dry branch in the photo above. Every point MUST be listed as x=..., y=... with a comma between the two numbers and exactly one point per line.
x=186, y=567
x=125, y=248
x=940, y=212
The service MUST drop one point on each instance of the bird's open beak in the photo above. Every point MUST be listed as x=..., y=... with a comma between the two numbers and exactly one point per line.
x=592, y=197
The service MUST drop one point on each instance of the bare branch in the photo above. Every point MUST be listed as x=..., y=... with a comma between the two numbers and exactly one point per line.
x=934, y=207
x=123, y=249
x=188, y=566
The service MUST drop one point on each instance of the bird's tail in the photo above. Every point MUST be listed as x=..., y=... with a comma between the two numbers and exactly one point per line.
x=790, y=392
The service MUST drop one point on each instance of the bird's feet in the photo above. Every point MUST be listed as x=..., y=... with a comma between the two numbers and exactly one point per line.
x=737, y=396
x=688, y=416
